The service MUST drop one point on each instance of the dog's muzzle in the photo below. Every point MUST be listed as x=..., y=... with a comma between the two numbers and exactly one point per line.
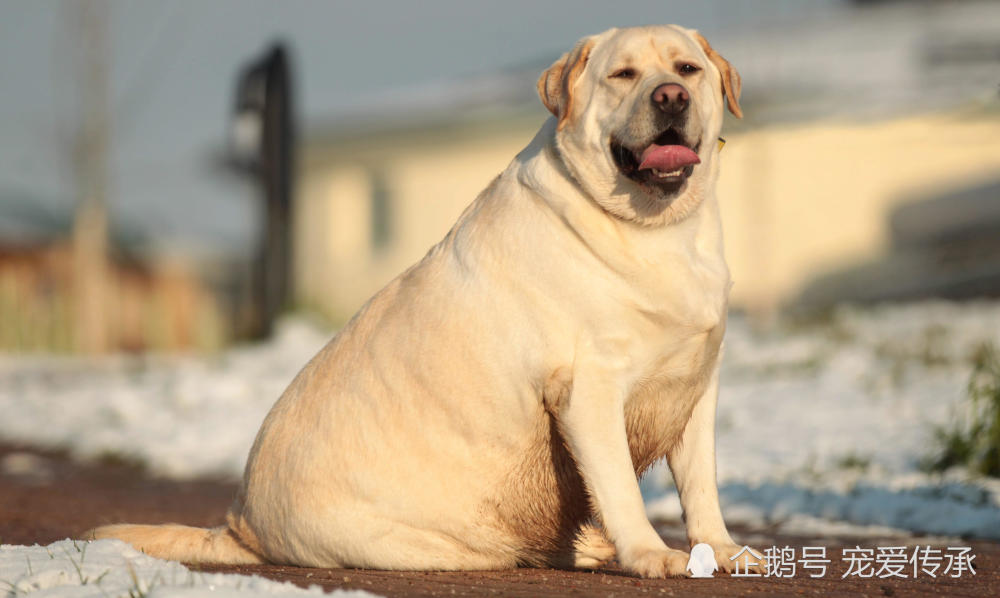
x=666, y=162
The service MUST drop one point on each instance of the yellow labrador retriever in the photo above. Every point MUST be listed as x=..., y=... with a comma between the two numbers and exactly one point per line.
x=494, y=404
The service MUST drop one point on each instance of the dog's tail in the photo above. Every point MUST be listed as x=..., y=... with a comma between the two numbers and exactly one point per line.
x=182, y=543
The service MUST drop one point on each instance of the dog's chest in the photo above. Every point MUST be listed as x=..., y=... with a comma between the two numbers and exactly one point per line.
x=661, y=400
x=675, y=359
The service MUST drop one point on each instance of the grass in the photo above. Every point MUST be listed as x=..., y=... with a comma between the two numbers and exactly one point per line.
x=138, y=589
x=973, y=439
x=76, y=553
x=854, y=461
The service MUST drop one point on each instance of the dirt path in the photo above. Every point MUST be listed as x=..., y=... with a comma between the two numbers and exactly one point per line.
x=46, y=497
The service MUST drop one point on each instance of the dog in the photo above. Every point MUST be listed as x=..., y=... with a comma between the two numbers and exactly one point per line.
x=495, y=404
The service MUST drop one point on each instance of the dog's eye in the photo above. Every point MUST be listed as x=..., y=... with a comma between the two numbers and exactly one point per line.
x=625, y=73
x=686, y=68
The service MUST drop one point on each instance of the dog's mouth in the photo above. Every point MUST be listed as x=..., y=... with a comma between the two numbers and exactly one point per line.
x=666, y=163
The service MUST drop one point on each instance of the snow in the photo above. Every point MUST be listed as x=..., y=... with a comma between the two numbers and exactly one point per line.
x=183, y=417
x=112, y=569
x=827, y=422
x=821, y=426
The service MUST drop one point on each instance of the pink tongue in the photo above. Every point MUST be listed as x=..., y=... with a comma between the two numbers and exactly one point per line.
x=667, y=158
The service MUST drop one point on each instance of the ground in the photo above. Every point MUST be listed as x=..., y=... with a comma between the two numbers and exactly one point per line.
x=45, y=496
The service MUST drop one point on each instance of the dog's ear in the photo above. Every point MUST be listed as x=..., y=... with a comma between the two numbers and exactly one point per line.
x=555, y=86
x=731, y=83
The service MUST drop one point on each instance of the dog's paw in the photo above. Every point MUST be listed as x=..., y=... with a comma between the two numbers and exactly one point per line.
x=749, y=560
x=656, y=562
x=592, y=549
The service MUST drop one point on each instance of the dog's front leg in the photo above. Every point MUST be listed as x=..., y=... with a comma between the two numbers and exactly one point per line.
x=692, y=462
x=592, y=419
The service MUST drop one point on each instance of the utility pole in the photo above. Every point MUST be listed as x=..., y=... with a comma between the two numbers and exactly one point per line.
x=91, y=276
x=263, y=146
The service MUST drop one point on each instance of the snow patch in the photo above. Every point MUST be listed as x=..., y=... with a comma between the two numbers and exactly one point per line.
x=182, y=417
x=113, y=569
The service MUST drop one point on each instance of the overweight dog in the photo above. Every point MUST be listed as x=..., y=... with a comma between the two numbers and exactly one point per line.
x=493, y=406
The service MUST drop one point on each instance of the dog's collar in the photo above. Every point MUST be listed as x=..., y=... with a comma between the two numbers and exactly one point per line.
x=722, y=143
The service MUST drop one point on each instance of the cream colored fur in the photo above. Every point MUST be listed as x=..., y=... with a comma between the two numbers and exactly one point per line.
x=498, y=396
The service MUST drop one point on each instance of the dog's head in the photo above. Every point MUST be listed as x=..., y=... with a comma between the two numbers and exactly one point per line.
x=639, y=112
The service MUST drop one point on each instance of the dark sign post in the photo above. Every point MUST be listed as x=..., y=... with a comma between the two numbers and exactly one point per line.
x=262, y=143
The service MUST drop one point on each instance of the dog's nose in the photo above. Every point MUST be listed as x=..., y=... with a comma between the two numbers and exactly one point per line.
x=671, y=98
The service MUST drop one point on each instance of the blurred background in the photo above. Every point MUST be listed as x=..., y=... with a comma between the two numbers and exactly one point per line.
x=185, y=177
x=174, y=175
